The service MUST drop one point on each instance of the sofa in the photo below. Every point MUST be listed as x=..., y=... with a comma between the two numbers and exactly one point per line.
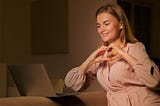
x=92, y=96
x=96, y=98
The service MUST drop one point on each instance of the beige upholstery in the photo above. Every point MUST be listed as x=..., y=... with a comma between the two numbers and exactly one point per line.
x=87, y=99
x=26, y=101
x=97, y=98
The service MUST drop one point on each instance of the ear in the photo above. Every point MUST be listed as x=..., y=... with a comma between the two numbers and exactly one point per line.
x=120, y=25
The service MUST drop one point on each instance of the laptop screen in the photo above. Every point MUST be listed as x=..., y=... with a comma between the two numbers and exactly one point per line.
x=32, y=80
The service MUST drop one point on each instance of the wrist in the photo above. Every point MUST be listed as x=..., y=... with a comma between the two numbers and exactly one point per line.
x=84, y=66
x=131, y=60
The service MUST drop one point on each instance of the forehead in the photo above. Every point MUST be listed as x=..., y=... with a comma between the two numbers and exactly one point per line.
x=104, y=16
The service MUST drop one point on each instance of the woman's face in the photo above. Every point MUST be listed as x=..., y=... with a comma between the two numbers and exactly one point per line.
x=108, y=27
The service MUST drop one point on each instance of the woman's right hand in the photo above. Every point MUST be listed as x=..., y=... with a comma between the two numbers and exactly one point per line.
x=96, y=57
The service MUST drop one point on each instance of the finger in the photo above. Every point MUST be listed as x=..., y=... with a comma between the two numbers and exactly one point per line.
x=114, y=57
x=116, y=47
x=98, y=59
x=101, y=50
x=106, y=59
x=111, y=58
x=103, y=47
x=113, y=46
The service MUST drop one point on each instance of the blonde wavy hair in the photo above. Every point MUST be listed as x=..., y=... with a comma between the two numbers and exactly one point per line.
x=126, y=34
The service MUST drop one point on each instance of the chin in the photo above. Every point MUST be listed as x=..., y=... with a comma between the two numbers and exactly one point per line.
x=106, y=40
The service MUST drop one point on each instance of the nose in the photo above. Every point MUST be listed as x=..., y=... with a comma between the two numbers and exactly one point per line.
x=102, y=28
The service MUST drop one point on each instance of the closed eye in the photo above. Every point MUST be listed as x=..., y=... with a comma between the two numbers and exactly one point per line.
x=98, y=25
x=106, y=23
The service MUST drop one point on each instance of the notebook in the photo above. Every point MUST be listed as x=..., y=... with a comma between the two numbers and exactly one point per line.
x=32, y=80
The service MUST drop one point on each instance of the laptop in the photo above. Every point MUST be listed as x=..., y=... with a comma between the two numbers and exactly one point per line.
x=32, y=80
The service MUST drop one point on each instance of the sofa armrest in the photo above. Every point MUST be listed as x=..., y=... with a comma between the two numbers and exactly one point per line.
x=97, y=98
x=27, y=101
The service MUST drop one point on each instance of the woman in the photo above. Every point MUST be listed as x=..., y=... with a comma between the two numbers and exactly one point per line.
x=121, y=64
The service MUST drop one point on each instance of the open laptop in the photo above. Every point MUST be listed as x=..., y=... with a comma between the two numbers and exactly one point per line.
x=32, y=80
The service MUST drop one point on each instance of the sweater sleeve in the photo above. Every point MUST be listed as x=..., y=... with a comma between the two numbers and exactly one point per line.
x=76, y=80
x=146, y=70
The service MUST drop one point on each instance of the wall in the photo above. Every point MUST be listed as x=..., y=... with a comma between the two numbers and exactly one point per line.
x=3, y=80
x=155, y=37
x=15, y=30
x=1, y=37
x=49, y=27
x=83, y=38
x=16, y=35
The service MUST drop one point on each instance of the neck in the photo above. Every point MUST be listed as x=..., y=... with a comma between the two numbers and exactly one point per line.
x=116, y=42
x=119, y=43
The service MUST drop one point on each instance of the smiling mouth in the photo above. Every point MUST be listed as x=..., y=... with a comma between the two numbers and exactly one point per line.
x=105, y=33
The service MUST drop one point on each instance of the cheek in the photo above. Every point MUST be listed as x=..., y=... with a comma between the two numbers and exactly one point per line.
x=111, y=27
x=98, y=31
x=114, y=29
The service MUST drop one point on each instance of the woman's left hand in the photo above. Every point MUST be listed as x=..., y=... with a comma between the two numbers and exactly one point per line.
x=122, y=54
x=118, y=49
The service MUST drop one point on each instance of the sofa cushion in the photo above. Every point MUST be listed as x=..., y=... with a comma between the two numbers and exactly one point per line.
x=27, y=101
x=97, y=98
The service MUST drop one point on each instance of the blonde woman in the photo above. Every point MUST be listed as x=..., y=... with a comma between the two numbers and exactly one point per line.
x=121, y=65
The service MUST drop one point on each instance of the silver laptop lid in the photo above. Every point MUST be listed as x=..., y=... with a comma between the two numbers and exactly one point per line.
x=32, y=80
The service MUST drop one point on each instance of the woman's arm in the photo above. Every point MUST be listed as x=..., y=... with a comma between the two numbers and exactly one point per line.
x=146, y=71
x=82, y=76
x=78, y=81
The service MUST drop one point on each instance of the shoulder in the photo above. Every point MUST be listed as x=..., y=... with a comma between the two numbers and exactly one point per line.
x=135, y=45
x=137, y=50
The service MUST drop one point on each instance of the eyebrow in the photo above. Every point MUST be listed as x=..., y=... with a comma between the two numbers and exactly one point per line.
x=105, y=21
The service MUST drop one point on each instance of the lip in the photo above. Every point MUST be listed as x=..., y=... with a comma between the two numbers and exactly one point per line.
x=105, y=33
